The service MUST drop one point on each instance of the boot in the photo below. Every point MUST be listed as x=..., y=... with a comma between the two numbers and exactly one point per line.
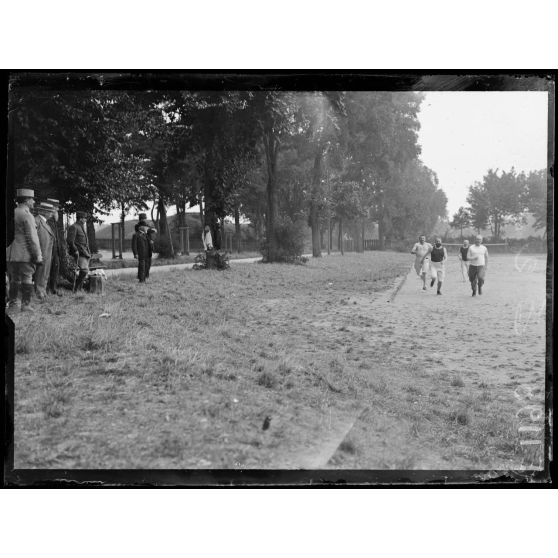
x=480, y=288
x=27, y=290
x=13, y=293
x=439, y=288
x=79, y=281
x=432, y=282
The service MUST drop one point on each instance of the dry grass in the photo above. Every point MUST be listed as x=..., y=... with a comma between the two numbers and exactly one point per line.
x=185, y=369
x=181, y=371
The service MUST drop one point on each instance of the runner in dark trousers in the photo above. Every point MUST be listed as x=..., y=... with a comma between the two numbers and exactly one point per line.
x=478, y=258
x=463, y=261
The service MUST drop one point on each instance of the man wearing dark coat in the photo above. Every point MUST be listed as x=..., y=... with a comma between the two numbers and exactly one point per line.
x=78, y=246
x=46, y=240
x=52, y=285
x=143, y=251
x=151, y=232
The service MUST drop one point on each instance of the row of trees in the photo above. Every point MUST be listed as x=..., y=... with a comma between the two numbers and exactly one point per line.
x=504, y=198
x=278, y=158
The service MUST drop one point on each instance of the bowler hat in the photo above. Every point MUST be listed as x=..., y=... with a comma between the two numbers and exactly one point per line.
x=25, y=193
x=142, y=216
x=81, y=215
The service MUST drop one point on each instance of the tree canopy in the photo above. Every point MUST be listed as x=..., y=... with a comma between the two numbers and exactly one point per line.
x=315, y=157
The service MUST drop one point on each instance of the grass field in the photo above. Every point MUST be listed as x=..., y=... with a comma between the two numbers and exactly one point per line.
x=261, y=366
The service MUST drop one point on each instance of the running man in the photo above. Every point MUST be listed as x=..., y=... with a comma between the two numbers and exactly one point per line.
x=463, y=261
x=438, y=257
x=478, y=264
x=421, y=249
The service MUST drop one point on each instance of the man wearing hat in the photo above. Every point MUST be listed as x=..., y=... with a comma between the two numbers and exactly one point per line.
x=78, y=246
x=52, y=284
x=23, y=255
x=150, y=232
x=46, y=239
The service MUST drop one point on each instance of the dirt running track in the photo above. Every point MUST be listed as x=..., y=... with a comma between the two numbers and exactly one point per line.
x=484, y=356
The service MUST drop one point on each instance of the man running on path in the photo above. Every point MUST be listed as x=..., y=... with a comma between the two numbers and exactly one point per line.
x=463, y=261
x=478, y=258
x=438, y=257
x=421, y=249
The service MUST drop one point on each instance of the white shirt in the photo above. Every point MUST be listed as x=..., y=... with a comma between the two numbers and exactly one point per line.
x=421, y=249
x=476, y=254
x=207, y=240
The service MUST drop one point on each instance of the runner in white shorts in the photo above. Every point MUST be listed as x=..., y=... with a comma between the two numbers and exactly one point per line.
x=421, y=250
x=438, y=257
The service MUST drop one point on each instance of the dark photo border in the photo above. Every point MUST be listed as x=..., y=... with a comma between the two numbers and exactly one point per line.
x=424, y=80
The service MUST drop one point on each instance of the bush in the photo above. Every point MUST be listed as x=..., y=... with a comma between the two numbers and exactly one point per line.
x=162, y=247
x=220, y=260
x=289, y=242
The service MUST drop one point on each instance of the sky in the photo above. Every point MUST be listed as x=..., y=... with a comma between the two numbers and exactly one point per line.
x=463, y=134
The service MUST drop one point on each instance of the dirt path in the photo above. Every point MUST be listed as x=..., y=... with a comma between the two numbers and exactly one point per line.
x=437, y=356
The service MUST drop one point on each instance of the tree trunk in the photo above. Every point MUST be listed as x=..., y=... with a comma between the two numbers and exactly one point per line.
x=200, y=202
x=222, y=235
x=341, y=239
x=381, y=244
x=363, y=232
x=314, y=205
x=164, y=229
x=91, y=236
x=271, y=147
x=237, y=228
x=210, y=215
x=122, y=219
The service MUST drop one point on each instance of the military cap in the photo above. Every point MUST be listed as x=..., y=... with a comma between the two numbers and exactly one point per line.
x=25, y=193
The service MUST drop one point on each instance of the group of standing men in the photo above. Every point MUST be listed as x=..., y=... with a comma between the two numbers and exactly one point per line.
x=432, y=259
x=33, y=258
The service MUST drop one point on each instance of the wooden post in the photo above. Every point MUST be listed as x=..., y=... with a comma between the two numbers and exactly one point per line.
x=118, y=227
x=113, y=241
x=187, y=240
x=120, y=239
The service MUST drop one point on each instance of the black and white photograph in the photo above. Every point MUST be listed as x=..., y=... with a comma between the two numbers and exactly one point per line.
x=279, y=278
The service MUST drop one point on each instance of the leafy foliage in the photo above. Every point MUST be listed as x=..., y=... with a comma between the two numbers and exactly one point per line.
x=288, y=241
x=497, y=200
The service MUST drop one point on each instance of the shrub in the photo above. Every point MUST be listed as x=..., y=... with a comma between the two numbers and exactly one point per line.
x=219, y=260
x=163, y=247
x=289, y=242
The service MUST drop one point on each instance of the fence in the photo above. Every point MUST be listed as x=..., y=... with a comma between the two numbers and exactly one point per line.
x=187, y=244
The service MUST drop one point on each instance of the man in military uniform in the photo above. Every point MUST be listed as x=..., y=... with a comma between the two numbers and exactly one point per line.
x=78, y=246
x=46, y=240
x=52, y=285
x=23, y=255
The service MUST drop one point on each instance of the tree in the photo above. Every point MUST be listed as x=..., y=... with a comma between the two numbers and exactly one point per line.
x=321, y=113
x=535, y=197
x=497, y=200
x=461, y=220
x=415, y=202
x=381, y=139
x=275, y=113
